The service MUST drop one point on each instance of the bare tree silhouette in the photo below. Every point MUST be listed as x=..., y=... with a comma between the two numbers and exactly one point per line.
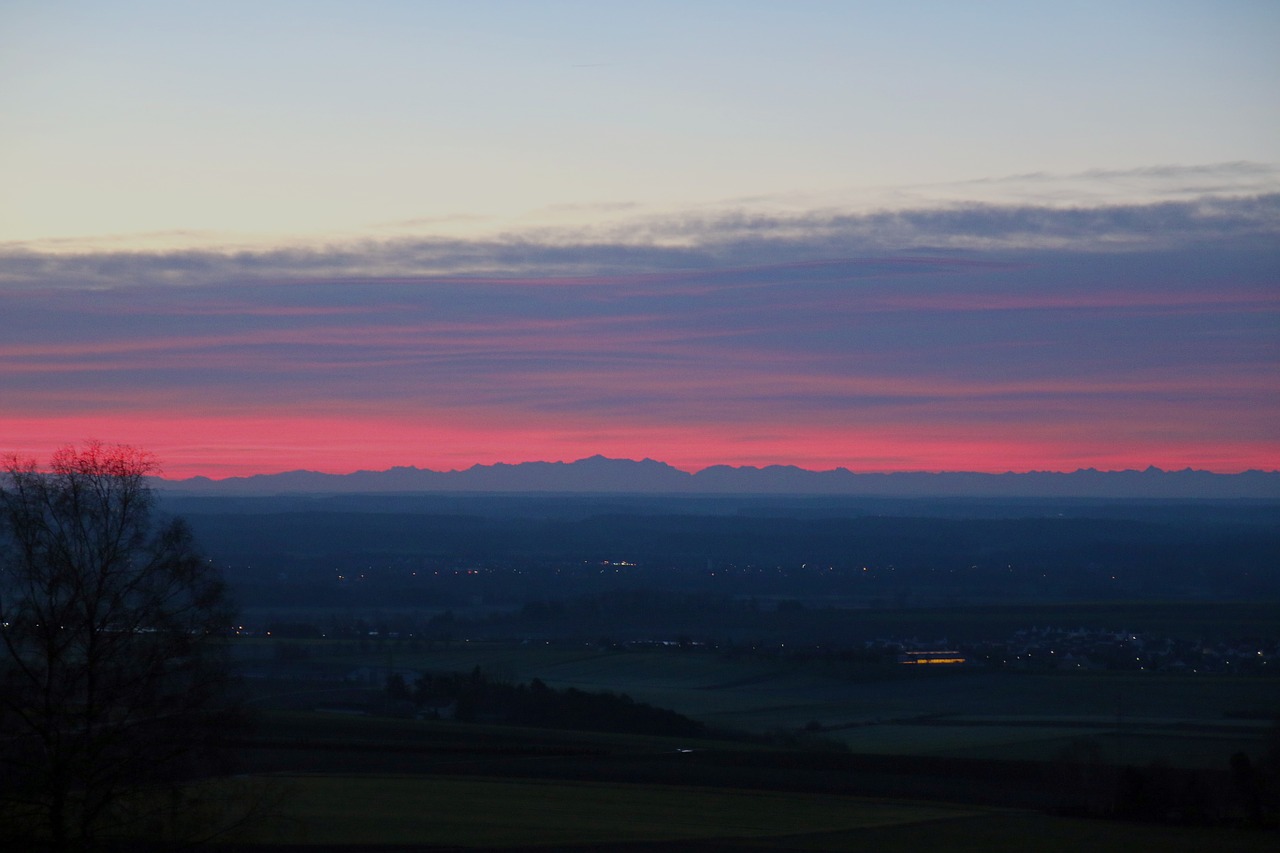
x=112, y=680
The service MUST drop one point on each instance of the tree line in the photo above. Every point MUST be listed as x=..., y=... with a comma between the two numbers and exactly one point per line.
x=472, y=697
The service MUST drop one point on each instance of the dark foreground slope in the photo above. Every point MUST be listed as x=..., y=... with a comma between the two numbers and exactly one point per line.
x=430, y=785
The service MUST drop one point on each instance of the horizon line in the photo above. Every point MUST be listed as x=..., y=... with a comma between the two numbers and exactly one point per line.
x=692, y=473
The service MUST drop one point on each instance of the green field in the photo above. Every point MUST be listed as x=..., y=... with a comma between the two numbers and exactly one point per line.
x=1137, y=717
x=828, y=755
x=499, y=814
x=340, y=779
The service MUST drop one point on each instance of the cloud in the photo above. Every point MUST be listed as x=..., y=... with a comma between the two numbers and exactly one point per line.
x=693, y=242
x=1238, y=178
x=1059, y=332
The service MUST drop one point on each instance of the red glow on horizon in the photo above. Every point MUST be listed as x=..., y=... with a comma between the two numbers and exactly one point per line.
x=221, y=447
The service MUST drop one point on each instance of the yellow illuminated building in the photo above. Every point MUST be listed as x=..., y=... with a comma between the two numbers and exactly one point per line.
x=931, y=658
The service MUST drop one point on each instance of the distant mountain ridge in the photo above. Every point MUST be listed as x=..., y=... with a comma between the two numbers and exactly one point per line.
x=598, y=474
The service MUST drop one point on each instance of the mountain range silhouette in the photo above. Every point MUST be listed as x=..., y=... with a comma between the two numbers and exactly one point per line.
x=599, y=474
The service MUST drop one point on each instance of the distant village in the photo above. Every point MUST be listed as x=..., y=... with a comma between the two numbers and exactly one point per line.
x=1036, y=648
x=1085, y=649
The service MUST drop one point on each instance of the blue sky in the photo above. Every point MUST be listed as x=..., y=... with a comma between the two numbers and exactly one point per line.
x=279, y=120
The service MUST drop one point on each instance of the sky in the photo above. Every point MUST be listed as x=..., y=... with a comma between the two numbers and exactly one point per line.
x=262, y=236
